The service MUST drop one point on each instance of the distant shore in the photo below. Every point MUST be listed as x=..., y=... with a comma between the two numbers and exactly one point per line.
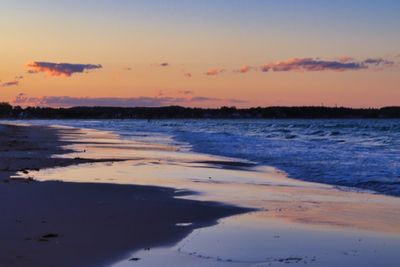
x=177, y=112
x=82, y=224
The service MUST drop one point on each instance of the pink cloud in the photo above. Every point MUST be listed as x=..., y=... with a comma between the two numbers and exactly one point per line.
x=10, y=83
x=345, y=59
x=316, y=64
x=142, y=101
x=245, y=69
x=60, y=69
x=215, y=71
x=186, y=92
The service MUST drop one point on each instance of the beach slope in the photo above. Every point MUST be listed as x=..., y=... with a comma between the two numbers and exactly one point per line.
x=83, y=224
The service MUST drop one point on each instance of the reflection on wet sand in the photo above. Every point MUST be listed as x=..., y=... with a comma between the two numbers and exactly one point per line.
x=296, y=222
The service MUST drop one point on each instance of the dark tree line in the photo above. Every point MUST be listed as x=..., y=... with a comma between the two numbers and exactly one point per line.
x=177, y=112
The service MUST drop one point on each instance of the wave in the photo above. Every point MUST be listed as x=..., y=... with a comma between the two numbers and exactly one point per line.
x=362, y=153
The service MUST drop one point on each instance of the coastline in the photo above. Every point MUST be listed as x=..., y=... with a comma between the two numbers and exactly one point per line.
x=56, y=223
x=293, y=221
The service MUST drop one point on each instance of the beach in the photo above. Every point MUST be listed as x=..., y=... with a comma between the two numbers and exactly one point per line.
x=81, y=197
x=82, y=224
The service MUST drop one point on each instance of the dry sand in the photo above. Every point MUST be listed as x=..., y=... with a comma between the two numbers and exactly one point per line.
x=83, y=224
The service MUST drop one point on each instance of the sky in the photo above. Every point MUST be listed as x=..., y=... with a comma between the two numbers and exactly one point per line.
x=205, y=53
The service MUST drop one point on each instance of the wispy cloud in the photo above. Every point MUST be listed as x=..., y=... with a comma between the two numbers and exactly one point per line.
x=345, y=59
x=204, y=98
x=162, y=64
x=14, y=82
x=316, y=64
x=186, y=92
x=10, y=83
x=310, y=64
x=60, y=69
x=215, y=71
x=244, y=69
x=68, y=101
x=379, y=62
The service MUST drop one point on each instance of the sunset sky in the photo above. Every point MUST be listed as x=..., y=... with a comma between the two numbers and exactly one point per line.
x=204, y=53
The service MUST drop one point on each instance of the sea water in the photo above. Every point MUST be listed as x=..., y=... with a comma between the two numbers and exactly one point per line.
x=356, y=153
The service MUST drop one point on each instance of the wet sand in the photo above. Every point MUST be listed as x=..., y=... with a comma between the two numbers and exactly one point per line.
x=53, y=223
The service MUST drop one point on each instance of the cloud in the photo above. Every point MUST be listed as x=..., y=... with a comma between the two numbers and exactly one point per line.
x=215, y=71
x=60, y=69
x=24, y=99
x=378, y=62
x=244, y=69
x=211, y=99
x=310, y=64
x=345, y=59
x=186, y=92
x=164, y=64
x=316, y=64
x=161, y=65
x=10, y=83
x=204, y=98
x=14, y=82
x=68, y=101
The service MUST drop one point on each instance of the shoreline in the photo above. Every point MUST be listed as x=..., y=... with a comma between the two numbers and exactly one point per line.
x=83, y=224
x=363, y=160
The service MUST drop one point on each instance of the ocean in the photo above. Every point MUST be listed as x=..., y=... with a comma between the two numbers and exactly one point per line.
x=359, y=154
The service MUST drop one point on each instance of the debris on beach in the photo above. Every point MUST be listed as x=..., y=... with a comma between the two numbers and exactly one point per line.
x=47, y=237
x=51, y=235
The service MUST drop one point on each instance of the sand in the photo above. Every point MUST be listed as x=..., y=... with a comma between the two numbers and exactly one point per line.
x=71, y=224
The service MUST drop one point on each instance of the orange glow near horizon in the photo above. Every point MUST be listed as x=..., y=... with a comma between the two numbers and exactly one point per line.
x=243, y=55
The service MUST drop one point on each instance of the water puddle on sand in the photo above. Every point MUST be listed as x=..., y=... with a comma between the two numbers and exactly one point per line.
x=252, y=240
x=297, y=222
